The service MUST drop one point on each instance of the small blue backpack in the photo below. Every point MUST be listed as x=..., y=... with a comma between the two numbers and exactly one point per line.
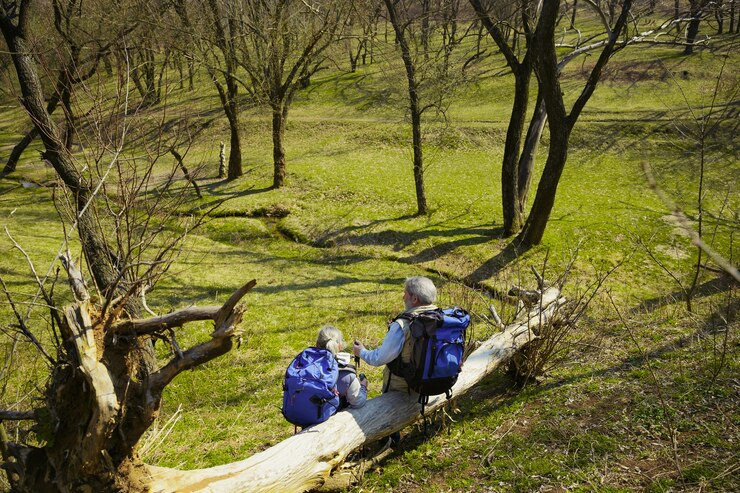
x=309, y=395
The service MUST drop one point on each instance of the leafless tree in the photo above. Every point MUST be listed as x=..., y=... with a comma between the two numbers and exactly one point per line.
x=214, y=26
x=105, y=386
x=84, y=35
x=282, y=46
x=697, y=10
x=494, y=16
x=361, y=30
x=561, y=122
x=429, y=70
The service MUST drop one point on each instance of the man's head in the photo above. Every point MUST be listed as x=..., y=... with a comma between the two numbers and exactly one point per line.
x=418, y=291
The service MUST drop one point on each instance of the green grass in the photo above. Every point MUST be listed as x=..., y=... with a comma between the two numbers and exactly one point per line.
x=601, y=422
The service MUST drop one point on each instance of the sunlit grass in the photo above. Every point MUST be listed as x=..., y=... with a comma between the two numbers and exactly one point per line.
x=352, y=207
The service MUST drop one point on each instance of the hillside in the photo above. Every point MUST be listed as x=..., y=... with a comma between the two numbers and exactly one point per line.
x=641, y=396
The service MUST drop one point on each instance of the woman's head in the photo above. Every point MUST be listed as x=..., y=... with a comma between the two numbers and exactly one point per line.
x=330, y=338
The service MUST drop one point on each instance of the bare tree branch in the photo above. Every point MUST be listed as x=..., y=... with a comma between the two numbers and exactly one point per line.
x=6, y=415
x=226, y=319
x=164, y=322
x=685, y=225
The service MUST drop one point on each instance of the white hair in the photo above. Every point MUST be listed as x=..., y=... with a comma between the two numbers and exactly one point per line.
x=330, y=338
x=421, y=287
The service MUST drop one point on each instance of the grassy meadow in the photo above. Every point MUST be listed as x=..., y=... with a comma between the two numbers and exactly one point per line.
x=646, y=397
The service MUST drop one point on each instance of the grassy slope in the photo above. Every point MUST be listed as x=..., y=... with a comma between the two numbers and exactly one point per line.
x=601, y=422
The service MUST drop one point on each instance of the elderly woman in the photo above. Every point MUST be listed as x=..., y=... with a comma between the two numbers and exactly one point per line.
x=351, y=388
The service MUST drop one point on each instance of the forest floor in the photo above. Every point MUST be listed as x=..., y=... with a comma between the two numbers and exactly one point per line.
x=642, y=396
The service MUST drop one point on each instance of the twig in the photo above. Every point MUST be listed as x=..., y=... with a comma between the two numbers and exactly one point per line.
x=21, y=321
x=15, y=415
x=684, y=223
x=496, y=318
x=185, y=171
x=658, y=387
x=489, y=453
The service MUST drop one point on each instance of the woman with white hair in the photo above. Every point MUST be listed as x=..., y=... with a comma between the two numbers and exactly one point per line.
x=352, y=388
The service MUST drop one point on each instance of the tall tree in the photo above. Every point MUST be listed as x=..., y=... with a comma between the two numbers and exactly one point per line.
x=84, y=34
x=560, y=122
x=428, y=69
x=697, y=10
x=491, y=17
x=361, y=29
x=215, y=29
x=282, y=47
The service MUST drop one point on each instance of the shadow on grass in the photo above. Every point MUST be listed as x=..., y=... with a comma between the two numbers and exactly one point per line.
x=225, y=196
x=724, y=316
x=709, y=288
x=495, y=264
x=482, y=235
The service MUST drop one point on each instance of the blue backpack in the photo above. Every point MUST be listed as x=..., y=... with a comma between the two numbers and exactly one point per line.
x=309, y=395
x=437, y=347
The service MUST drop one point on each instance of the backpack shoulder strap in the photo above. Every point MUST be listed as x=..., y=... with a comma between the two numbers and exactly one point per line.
x=348, y=368
x=403, y=319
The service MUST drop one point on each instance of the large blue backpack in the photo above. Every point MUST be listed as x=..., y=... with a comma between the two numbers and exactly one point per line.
x=437, y=347
x=309, y=395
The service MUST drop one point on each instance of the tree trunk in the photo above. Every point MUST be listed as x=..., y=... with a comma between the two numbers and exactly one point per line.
x=425, y=31
x=325, y=446
x=529, y=151
x=560, y=123
x=513, y=213
x=17, y=151
x=235, y=148
x=692, y=32
x=414, y=108
x=229, y=103
x=573, y=15
x=544, y=200
x=279, y=114
x=421, y=198
x=719, y=14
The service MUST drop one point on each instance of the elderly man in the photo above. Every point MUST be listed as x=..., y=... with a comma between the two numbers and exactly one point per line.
x=419, y=295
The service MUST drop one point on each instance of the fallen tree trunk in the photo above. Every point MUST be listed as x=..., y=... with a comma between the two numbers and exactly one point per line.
x=305, y=460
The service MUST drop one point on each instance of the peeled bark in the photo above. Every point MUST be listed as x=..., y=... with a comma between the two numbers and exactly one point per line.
x=325, y=446
x=87, y=409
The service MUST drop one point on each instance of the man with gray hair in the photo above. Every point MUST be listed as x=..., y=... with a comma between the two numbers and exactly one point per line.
x=419, y=295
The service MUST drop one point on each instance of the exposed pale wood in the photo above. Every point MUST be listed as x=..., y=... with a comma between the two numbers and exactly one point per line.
x=97, y=376
x=305, y=460
x=76, y=280
x=496, y=317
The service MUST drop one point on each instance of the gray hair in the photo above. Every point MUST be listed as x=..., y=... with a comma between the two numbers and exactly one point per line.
x=330, y=338
x=421, y=287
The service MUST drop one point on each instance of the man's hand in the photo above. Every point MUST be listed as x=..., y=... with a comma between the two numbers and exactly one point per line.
x=357, y=347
